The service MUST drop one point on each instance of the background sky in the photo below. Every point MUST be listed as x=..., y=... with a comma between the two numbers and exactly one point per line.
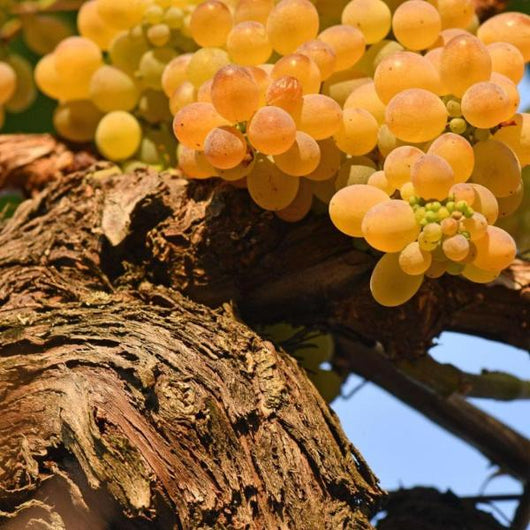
x=405, y=449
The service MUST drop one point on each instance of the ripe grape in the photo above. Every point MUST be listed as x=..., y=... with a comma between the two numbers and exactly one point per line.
x=355, y=170
x=126, y=50
x=210, y=23
x=322, y=54
x=403, y=70
x=8, y=82
x=320, y=116
x=463, y=192
x=153, y=106
x=272, y=130
x=506, y=59
x=248, y=43
x=379, y=180
x=42, y=33
x=485, y=203
x=330, y=159
x=123, y=14
x=510, y=27
x=357, y=133
x=253, y=10
x=77, y=120
x=204, y=64
x=152, y=65
x=416, y=24
x=234, y=93
x=269, y=187
x=476, y=275
x=390, y=226
x=77, y=56
x=416, y=115
x=516, y=135
x=93, y=27
x=390, y=286
x=349, y=205
x=398, y=164
x=495, y=251
x=496, y=168
x=465, y=61
x=286, y=93
x=372, y=17
x=111, y=89
x=301, y=158
x=225, y=147
x=457, y=151
x=158, y=34
x=183, y=95
x=193, y=163
x=193, y=122
x=455, y=13
x=432, y=177
x=291, y=23
x=456, y=247
x=485, y=105
x=413, y=260
x=300, y=206
x=302, y=68
x=347, y=42
x=174, y=73
x=476, y=226
x=118, y=135
x=511, y=91
x=365, y=97
x=25, y=92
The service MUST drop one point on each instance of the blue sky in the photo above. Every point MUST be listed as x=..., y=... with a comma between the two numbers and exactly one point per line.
x=405, y=449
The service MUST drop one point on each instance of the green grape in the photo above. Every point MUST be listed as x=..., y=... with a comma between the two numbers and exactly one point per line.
x=158, y=34
x=112, y=89
x=126, y=50
x=77, y=120
x=390, y=286
x=301, y=158
x=291, y=23
x=204, y=63
x=118, y=135
x=152, y=65
x=269, y=187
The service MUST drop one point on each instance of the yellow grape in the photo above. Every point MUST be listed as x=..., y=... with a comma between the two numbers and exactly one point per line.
x=378, y=179
x=372, y=17
x=376, y=53
x=340, y=90
x=354, y=171
x=48, y=80
x=153, y=106
x=126, y=50
x=240, y=171
x=204, y=64
x=183, y=95
x=158, y=34
x=210, y=23
x=456, y=247
x=77, y=120
x=506, y=59
x=42, y=33
x=8, y=82
x=357, y=133
x=390, y=286
x=225, y=147
x=511, y=91
x=347, y=42
x=434, y=56
x=301, y=158
x=437, y=269
x=398, y=164
x=253, y=10
x=390, y=226
x=320, y=116
x=457, y=151
x=509, y=27
x=495, y=251
x=204, y=94
x=286, y=93
x=516, y=135
x=152, y=66
x=118, y=135
x=386, y=140
x=474, y=274
x=269, y=187
x=463, y=192
x=465, y=61
x=496, y=168
x=448, y=34
x=322, y=54
x=300, y=206
x=93, y=27
x=302, y=68
x=174, y=73
x=193, y=122
x=174, y=17
x=365, y=97
x=485, y=105
x=402, y=70
x=193, y=163
x=272, y=130
x=262, y=79
x=476, y=226
x=77, y=56
x=324, y=190
x=432, y=232
x=234, y=93
x=25, y=93
x=291, y=23
x=330, y=159
x=123, y=14
x=416, y=24
x=455, y=13
x=112, y=89
x=248, y=43
x=485, y=203
x=349, y=205
x=416, y=115
x=432, y=177
x=406, y=191
x=413, y=260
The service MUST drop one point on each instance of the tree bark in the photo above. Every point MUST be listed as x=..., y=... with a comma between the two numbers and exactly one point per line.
x=125, y=404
